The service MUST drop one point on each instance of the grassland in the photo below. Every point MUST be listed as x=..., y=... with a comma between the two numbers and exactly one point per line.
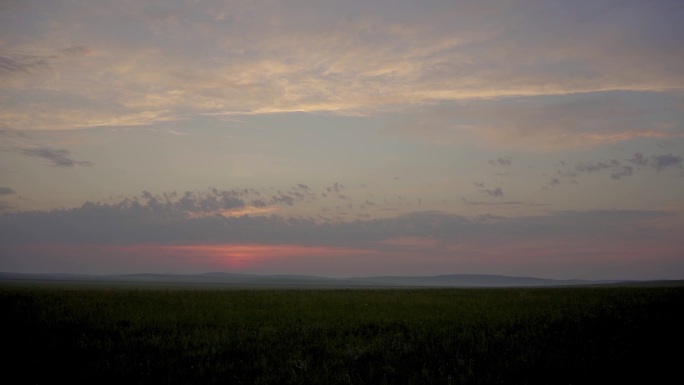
x=403, y=336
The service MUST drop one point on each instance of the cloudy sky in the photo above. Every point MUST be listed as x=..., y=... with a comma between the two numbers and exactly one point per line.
x=343, y=138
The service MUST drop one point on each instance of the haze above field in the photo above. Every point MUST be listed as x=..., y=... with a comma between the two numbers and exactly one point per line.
x=343, y=138
x=217, y=280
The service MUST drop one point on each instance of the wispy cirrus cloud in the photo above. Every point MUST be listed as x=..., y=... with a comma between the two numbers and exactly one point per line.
x=20, y=64
x=548, y=123
x=20, y=142
x=54, y=157
x=138, y=65
x=623, y=168
x=23, y=64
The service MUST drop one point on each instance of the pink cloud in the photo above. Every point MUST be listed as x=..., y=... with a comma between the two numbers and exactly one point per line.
x=189, y=258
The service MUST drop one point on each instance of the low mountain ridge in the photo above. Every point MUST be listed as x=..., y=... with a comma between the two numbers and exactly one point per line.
x=234, y=279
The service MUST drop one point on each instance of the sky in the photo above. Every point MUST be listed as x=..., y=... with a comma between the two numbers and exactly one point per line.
x=343, y=138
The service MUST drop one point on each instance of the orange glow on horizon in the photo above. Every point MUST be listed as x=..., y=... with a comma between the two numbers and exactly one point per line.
x=196, y=257
x=248, y=210
x=246, y=254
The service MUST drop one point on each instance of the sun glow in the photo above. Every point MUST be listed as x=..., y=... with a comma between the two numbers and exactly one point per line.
x=245, y=255
x=234, y=213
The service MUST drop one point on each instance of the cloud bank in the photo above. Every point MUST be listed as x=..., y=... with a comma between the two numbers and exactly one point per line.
x=54, y=157
x=190, y=226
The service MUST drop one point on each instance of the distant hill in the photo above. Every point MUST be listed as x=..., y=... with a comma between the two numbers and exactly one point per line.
x=477, y=280
x=230, y=279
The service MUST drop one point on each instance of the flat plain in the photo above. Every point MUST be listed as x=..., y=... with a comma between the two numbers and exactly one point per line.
x=183, y=335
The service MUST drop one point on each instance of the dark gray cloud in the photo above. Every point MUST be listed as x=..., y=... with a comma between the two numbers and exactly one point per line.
x=629, y=167
x=505, y=203
x=21, y=64
x=55, y=156
x=17, y=141
x=337, y=187
x=506, y=161
x=567, y=174
x=283, y=198
x=296, y=194
x=638, y=159
x=231, y=199
x=24, y=63
x=154, y=221
x=258, y=203
x=496, y=192
x=622, y=171
x=90, y=235
x=214, y=201
x=208, y=203
x=553, y=182
x=656, y=162
x=598, y=166
x=660, y=162
x=76, y=50
x=618, y=170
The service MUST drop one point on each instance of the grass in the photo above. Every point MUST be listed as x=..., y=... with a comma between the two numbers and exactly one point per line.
x=407, y=336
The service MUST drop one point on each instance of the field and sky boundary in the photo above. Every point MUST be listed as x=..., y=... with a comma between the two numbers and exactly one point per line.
x=231, y=280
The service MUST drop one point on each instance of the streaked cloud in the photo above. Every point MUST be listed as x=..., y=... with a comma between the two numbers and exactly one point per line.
x=661, y=162
x=493, y=192
x=20, y=63
x=349, y=57
x=506, y=161
x=54, y=157
x=20, y=142
x=624, y=168
x=549, y=123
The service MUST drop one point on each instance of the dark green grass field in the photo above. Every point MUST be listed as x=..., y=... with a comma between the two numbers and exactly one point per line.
x=394, y=336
